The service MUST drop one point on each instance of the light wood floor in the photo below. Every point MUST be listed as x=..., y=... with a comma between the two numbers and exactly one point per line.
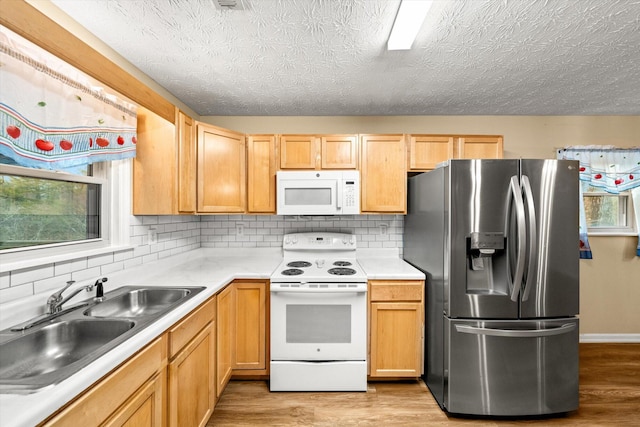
x=609, y=396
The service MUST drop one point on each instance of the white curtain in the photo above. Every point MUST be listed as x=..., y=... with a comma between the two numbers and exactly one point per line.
x=53, y=116
x=614, y=171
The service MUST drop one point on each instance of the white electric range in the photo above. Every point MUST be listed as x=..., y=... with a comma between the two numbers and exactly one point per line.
x=319, y=315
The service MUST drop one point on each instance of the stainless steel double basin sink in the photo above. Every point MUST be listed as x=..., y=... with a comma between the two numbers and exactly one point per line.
x=59, y=345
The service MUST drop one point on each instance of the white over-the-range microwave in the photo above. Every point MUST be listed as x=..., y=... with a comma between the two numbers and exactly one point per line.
x=318, y=192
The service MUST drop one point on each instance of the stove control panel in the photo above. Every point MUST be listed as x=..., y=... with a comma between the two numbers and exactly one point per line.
x=320, y=240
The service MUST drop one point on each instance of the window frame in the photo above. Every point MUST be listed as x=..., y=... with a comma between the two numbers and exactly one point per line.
x=631, y=229
x=114, y=180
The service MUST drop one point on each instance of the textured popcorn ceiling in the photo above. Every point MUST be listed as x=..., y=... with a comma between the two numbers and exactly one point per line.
x=329, y=57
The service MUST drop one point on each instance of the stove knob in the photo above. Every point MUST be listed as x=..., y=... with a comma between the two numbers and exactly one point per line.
x=287, y=240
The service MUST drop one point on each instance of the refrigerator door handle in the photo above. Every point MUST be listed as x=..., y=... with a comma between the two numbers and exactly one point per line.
x=533, y=233
x=516, y=333
x=516, y=194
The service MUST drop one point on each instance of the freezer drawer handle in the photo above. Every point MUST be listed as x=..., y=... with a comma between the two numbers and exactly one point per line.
x=533, y=333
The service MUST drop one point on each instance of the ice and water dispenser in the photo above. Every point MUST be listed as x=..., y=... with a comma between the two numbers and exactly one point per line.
x=485, y=256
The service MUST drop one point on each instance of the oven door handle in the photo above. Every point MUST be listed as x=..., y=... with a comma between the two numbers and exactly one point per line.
x=318, y=291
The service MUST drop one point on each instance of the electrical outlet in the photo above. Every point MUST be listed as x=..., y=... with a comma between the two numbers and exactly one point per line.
x=152, y=236
x=239, y=229
x=383, y=229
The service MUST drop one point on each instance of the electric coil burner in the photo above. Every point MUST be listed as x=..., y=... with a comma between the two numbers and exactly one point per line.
x=298, y=264
x=319, y=315
x=342, y=271
x=292, y=272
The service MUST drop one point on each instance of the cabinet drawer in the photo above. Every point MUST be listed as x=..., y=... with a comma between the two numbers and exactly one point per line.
x=181, y=333
x=396, y=290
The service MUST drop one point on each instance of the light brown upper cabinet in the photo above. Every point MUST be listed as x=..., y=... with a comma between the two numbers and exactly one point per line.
x=261, y=174
x=425, y=152
x=318, y=152
x=155, y=166
x=383, y=185
x=186, y=164
x=339, y=151
x=164, y=169
x=479, y=147
x=221, y=170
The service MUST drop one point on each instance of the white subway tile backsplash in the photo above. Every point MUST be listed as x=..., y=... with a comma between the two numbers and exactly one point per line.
x=89, y=274
x=16, y=292
x=51, y=284
x=96, y=261
x=27, y=275
x=5, y=280
x=177, y=234
x=110, y=268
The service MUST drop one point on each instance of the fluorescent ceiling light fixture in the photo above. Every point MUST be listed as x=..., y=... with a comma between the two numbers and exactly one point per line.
x=408, y=21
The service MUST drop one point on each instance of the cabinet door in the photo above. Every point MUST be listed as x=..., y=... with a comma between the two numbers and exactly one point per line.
x=144, y=409
x=261, y=174
x=383, y=174
x=225, y=333
x=396, y=339
x=250, y=328
x=426, y=151
x=155, y=166
x=186, y=164
x=192, y=387
x=299, y=152
x=221, y=170
x=479, y=147
x=339, y=151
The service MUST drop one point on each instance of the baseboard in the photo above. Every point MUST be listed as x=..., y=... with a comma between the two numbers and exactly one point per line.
x=610, y=338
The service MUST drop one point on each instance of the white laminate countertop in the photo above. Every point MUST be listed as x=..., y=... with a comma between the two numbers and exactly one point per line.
x=208, y=267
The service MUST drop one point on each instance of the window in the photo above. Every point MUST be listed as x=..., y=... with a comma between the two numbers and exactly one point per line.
x=41, y=208
x=47, y=214
x=608, y=213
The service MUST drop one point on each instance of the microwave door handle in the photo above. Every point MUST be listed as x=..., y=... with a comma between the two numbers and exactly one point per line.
x=338, y=194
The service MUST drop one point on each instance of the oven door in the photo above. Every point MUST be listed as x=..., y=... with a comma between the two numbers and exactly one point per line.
x=318, y=325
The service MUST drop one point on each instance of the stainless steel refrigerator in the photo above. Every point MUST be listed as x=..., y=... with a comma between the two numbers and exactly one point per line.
x=498, y=242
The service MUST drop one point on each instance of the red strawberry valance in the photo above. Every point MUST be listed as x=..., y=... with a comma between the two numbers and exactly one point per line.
x=53, y=116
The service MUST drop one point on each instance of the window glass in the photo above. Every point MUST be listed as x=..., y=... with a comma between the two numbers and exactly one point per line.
x=39, y=211
x=607, y=212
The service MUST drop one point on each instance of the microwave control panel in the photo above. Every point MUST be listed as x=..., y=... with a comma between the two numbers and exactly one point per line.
x=350, y=193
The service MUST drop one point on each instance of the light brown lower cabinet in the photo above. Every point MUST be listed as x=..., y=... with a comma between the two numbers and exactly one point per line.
x=250, y=330
x=396, y=328
x=225, y=305
x=132, y=395
x=192, y=368
x=177, y=379
x=145, y=408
